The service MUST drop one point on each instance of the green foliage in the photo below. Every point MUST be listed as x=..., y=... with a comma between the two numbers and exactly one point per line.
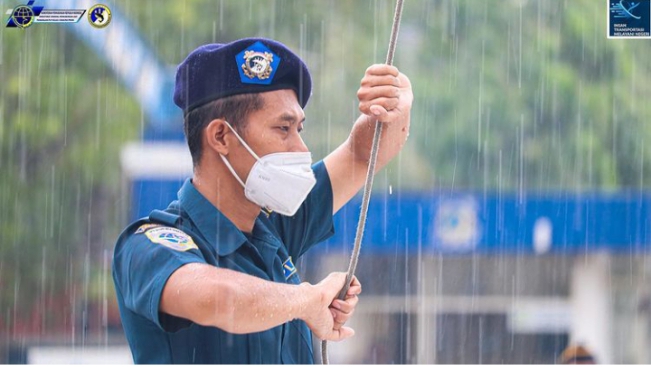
x=64, y=118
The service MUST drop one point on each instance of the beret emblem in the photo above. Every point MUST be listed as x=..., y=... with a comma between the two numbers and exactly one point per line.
x=257, y=64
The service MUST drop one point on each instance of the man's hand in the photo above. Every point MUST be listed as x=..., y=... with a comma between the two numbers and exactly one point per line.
x=385, y=94
x=343, y=310
x=328, y=315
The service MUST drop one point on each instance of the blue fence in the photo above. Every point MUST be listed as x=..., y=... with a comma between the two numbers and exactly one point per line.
x=534, y=223
x=458, y=223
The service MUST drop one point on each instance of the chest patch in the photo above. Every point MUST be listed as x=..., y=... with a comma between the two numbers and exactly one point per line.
x=171, y=237
x=289, y=268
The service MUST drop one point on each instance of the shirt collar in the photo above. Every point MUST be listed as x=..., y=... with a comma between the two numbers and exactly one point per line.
x=213, y=225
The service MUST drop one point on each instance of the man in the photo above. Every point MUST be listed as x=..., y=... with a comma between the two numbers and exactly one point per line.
x=211, y=279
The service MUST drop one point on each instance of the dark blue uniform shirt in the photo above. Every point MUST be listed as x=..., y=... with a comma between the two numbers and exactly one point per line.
x=192, y=230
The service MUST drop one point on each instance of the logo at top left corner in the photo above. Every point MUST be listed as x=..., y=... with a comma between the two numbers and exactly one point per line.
x=23, y=16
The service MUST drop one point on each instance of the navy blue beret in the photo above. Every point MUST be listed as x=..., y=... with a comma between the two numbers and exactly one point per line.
x=250, y=65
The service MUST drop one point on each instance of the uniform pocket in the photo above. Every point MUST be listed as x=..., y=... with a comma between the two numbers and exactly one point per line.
x=297, y=344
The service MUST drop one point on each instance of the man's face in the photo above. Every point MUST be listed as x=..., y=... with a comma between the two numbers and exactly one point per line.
x=273, y=129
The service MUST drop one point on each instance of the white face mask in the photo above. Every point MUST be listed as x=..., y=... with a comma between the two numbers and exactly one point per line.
x=277, y=181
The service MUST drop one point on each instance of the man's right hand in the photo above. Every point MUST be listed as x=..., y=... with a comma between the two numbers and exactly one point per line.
x=320, y=317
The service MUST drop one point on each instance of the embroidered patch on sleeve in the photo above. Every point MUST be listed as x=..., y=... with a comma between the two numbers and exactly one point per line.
x=171, y=237
x=143, y=228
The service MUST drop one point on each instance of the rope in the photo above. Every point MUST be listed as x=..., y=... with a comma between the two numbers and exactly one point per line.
x=368, y=185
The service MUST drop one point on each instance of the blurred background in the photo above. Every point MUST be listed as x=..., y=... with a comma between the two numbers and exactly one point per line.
x=514, y=223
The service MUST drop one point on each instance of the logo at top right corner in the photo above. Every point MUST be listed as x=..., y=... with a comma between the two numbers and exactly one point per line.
x=629, y=19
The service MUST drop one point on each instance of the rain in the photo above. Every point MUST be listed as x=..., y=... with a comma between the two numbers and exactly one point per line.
x=513, y=228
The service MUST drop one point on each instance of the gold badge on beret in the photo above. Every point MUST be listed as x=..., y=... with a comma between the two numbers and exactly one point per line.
x=257, y=64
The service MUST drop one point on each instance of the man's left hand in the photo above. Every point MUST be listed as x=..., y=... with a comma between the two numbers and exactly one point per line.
x=343, y=310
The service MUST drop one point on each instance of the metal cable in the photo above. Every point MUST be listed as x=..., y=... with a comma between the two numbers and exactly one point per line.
x=368, y=185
